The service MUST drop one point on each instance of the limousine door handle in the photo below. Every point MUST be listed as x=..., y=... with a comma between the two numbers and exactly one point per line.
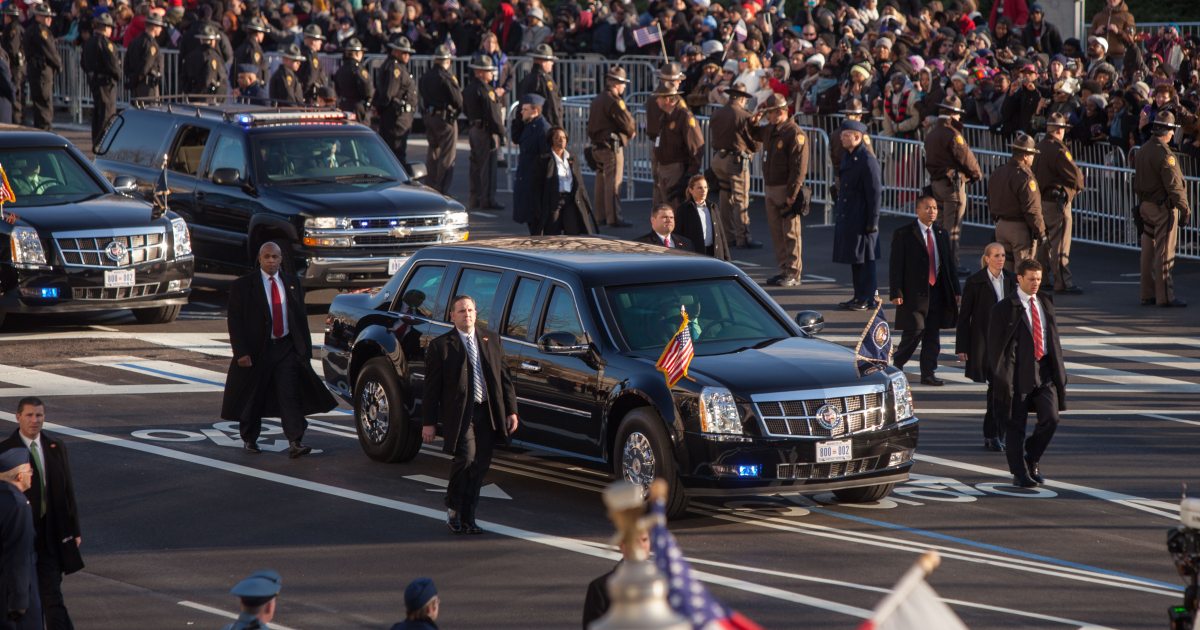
x=199, y=195
x=531, y=367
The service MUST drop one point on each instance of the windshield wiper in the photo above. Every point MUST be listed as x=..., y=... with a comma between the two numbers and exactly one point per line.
x=305, y=181
x=370, y=176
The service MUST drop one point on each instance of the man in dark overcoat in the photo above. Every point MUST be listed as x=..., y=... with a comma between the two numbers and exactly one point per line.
x=856, y=223
x=1026, y=362
x=981, y=292
x=529, y=131
x=924, y=288
x=468, y=389
x=19, y=605
x=271, y=372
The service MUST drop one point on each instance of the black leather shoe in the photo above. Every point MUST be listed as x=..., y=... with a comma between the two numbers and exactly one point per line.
x=298, y=450
x=774, y=280
x=621, y=224
x=495, y=205
x=963, y=271
x=789, y=281
x=849, y=305
x=1021, y=480
x=862, y=306
x=932, y=380
x=1035, y=472
x=453, y=522
x=1176, y=303
x=252, y=447
x=1070, y=291
x=751, y=245
x=471, y=528
x=993, y=444
x=1149, y=302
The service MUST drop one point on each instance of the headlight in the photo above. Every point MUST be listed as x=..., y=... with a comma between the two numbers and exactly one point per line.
x=901, y=397
x=457, y=218
x=181, y=237
x=324, y=223
x=718, y=411
x=27, y=247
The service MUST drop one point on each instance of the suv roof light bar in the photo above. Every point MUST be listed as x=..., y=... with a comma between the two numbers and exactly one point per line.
x=257, y=117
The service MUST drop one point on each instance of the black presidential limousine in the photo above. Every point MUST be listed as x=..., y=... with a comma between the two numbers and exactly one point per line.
x=766, y=407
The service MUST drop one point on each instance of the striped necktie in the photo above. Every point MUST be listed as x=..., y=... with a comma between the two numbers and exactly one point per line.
x=476, y=371
x=37, y=461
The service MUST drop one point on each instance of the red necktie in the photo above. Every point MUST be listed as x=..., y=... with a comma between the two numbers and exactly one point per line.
x=276, y=311
x=667, y=242
x=1039, y=349
x=932, y=257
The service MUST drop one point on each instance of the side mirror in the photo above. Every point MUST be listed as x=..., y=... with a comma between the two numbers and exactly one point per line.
x=562, y=343
x=125, y=184
x=810, y=322
x=417, y=171
x=227, y=177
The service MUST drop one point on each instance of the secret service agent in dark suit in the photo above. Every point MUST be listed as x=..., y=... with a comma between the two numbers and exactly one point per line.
x=924, y=288
x=662, y=219
x=597, y=601
x=271, y=372
x=19, y=605
x=469, y=390
x=55, y=515
x=1026, y=362
x=704, y=228
x=981, y=292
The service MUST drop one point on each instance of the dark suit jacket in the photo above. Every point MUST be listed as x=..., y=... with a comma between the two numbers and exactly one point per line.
x=909, y=276
x=545, y=193
x=597, y=601
x=249, y=324
x=973, y=315
x=1006, y=359
x=448, y=376
x=687, y=225
x=62, y=516
x=679, y=241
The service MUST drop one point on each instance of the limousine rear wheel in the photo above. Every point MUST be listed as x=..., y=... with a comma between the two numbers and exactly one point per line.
x=383, y=430
x=643, y=453
x=865, y=494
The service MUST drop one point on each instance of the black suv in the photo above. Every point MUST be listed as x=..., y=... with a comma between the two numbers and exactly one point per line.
x=79, y=244
x=765, y=407
x=326, y=189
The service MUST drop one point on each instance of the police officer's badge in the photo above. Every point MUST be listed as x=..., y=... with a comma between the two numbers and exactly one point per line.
x=153, y=50
x=214, y=64
x=958, y=139
x=1069, y=155
x=365, y=74
x=491, y=95
x=1033, y=185
x=621, y=104
x=256, y=56
x=550, y=85
x=881, y=334
x=315, y=62
x=396, y=73
x=799, y=139
x=779, y=145
x=1170, y=160
x=672, y=124
x=287, y=80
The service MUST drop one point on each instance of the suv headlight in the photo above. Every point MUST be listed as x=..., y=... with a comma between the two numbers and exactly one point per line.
x=181, y=237
x=325, y=223
x=27, y=247
x=719, y=412
x=901, y=397
x=456, y=218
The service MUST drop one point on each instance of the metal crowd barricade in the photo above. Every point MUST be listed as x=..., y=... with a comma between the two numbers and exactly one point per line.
x=1185, y=28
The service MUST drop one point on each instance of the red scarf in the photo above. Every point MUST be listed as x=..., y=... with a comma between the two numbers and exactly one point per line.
x=503, y=22
x=901, y=113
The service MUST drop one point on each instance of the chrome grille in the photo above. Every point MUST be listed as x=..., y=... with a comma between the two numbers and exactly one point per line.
x=826, y=471
x=396, y=222
x=798, y=417
x=387, y=239
x=89, y=249
x=114, y=293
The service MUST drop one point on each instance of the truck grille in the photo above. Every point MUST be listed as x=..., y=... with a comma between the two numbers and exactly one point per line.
x=114, y=293
x=826, y=471
x=91, y=250
x=798, y=417
x=387, y=239
x=358, y=224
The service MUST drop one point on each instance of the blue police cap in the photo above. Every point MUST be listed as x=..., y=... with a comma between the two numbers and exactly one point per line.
x=853, y=125
x=262, y=585
x=12, y=458
x=247, y=68
x=419, y=592
x=533, y=99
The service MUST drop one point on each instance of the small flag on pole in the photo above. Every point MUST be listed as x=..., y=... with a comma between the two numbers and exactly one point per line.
x=648, y=35
x=913, y=604
x=874, y=349
x=6, y=192
x=740, y=30
x=161, y=190
x=678, y=354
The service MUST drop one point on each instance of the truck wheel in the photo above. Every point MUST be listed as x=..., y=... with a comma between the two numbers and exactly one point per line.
x=865, y=494
x=160, y=315
x=384, y=431
x=643, y=453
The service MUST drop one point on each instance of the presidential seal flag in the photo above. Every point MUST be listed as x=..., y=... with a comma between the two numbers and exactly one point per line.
x=874, y=349
x=677, y=356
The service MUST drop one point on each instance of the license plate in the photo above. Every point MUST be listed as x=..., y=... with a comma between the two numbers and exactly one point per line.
x=394, y=265
x=833, y=451
x=119, y=278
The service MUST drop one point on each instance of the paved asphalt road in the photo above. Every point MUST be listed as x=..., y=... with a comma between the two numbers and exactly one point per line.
x=174, y=514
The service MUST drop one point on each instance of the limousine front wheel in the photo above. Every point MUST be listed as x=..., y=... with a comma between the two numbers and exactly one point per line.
x=644, y=454
x=383, y=432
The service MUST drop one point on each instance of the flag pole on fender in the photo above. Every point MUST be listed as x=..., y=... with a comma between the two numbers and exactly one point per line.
x=677, y=356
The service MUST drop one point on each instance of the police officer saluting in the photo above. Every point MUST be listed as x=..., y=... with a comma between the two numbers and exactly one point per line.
x=734, y=143
x=353, y=81
x=679, y=147
x=12, y=39
x=396, y=98
x=669, y=75
x=443, y=101
x=541, y=82
x=487, y=122
x=143, y=60
x=44, y=63
x=99, y=60
x=951, y=165
x=1014, y=200
x=1060, y=180
x=257, y=596
x=251, y=51
x=205, y=67
x=609, y=127
x=785, y=163
x=312, y=76
x=1158, y=183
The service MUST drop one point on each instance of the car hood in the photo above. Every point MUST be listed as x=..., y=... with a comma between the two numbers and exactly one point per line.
x=108, y=211
x=783, y=365
x=399, y=199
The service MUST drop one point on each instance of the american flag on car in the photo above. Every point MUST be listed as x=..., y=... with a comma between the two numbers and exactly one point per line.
x=678, y=354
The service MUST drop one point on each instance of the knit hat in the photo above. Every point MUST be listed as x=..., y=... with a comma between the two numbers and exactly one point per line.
x=818, y=60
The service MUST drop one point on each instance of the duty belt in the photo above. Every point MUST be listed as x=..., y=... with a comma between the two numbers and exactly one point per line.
x=479, y=123
x=722, y=153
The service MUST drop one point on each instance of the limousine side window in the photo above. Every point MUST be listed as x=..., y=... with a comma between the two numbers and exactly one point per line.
x=561, y=317
x=420, y=293
x=520, y=309
x=481, y=286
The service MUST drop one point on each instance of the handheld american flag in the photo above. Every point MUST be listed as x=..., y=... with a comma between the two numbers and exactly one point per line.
x=740, y=31
x=6, y=193
x=874, y=349
x=648, y=35
x=678, y=354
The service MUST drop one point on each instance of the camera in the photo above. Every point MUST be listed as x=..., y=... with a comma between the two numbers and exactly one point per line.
x=1183, y=543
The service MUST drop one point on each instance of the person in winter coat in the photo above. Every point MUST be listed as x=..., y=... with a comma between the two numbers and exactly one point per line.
x=856, y=223
x=1116, y=25
x=529, y=131
x=1041, y=35
x=560, y=198
x=898, y=107
x=981, y=292
x=1016, y=10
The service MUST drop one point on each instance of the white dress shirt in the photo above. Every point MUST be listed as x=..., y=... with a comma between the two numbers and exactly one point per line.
x=564, y=171
x=40, y=451
x=997, y=284
x=282, y=301
x=704, y=219
x=1029, y=303
x=926, y=234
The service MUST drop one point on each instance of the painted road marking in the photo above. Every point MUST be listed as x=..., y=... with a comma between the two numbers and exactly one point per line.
x=1095, y=330
x=222, y=613
x=491, y=490
x=1161, y=417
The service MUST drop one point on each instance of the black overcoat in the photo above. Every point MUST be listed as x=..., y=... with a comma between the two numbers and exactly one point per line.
x=545, y=193
x=531, y=137
x=1007, y=315
x=856, y=214
x=60, y=493
x=908, y=273
x=446, y=380
x=249, y=330
x=687, y=224
x=18, y=561
x=680, y=242
x=973, y=315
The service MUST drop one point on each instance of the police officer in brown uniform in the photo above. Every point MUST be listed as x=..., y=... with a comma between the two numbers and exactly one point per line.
x=353, y=80
x=443, y=100
x=732, y=131
x=785, y=164
x=1060, y=180
x=669, y=75
x=12, y=39
x=487, y=122
x=251, y=51
x=951, y=165
x=144, y=60
x=609, y=127
x=103, y=67
x=396, y=97
x=285, y=85
x=539, y=81
x=44, y=63
x=1158, y=183
x=1015, y=202
x=680, y=145
x=311, y=74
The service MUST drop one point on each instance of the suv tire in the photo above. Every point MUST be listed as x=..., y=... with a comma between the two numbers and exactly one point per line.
x=642, y=443
x=159, y=315
x=384, y=431
x=864, y=494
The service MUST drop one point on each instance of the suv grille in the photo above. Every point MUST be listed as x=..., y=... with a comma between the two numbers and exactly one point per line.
x=826, y=471
x=92, y=250
x=798, y=417
x=387, y=239
x=397, y=222
x=115, y=293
